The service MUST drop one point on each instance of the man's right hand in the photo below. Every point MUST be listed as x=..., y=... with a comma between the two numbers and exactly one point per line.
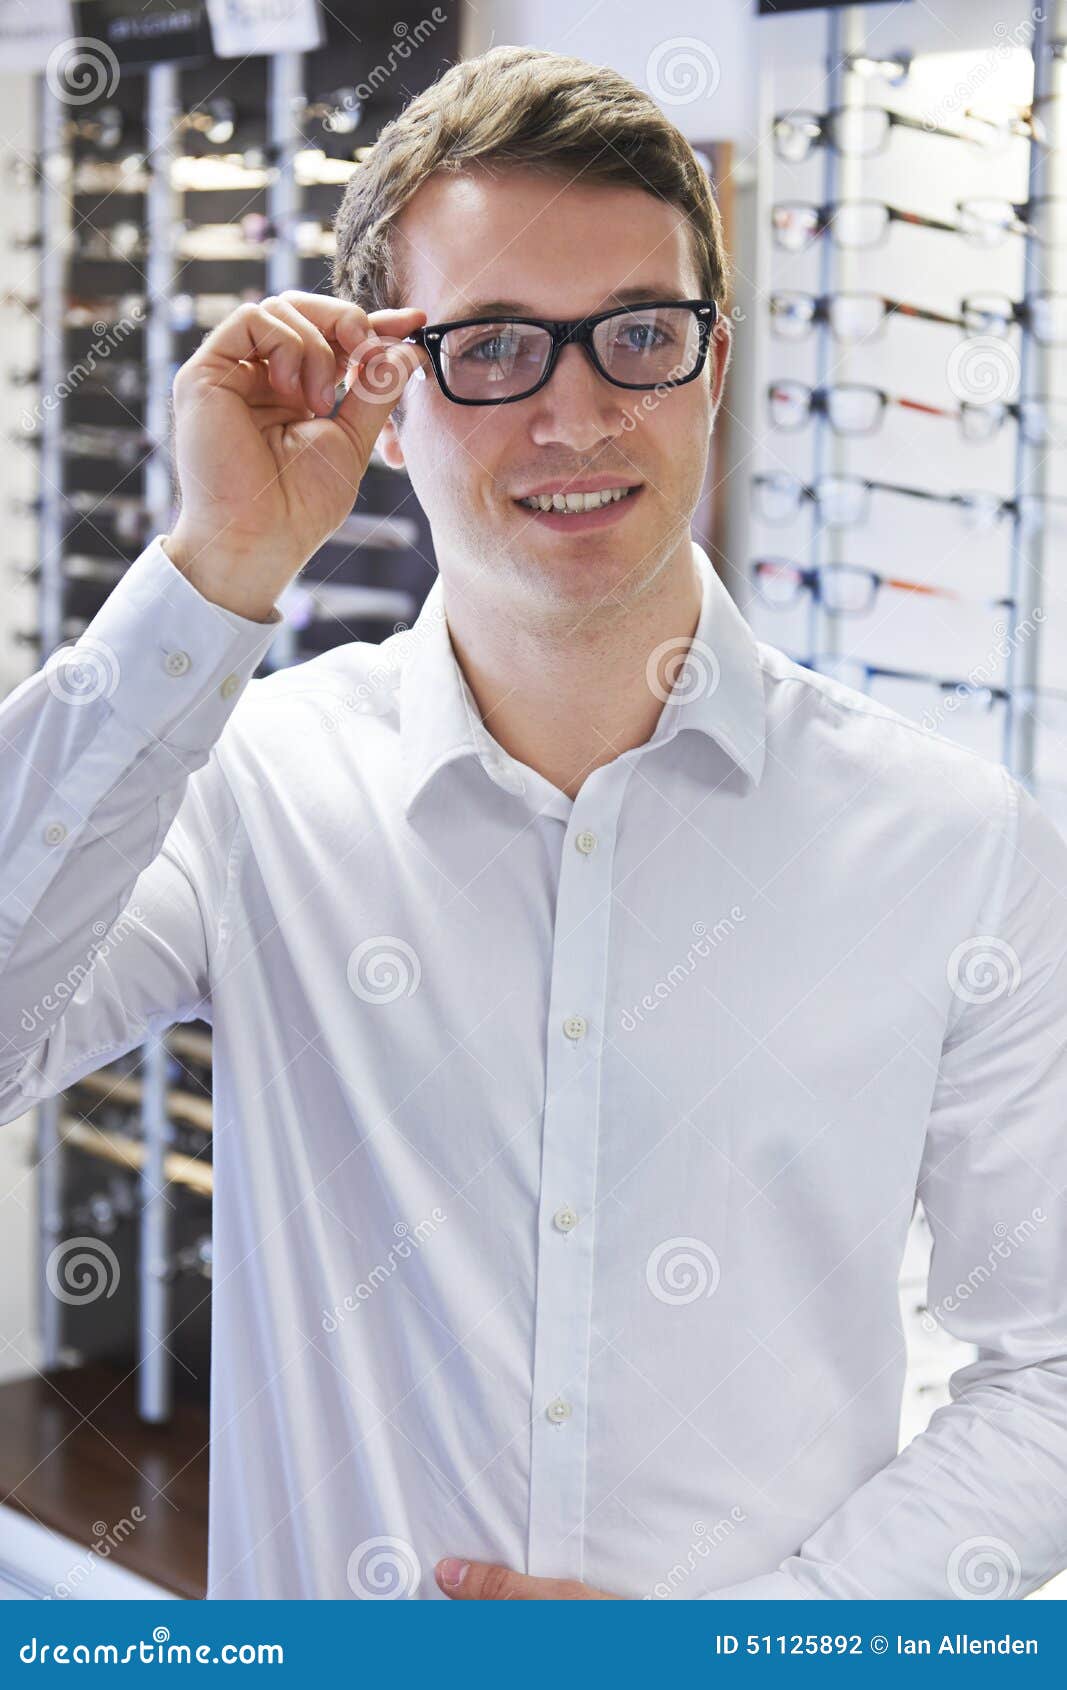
x=266, y=472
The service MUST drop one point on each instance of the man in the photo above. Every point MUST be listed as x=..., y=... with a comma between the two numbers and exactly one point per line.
x=594, y=989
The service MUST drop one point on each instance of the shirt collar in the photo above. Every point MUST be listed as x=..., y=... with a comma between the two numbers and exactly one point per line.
x=718, y=691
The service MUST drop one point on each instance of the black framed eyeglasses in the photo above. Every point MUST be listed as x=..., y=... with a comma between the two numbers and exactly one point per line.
x=659, y=343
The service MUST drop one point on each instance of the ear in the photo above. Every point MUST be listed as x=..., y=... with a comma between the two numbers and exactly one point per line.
x=719, y=356
x=389, y=444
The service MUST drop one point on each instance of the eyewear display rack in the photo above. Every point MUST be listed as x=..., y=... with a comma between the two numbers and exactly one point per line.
x=933, y=1356
x=161, y=206
x=847, y=70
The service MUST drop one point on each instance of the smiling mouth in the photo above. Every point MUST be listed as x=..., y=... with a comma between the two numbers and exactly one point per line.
x=575, y=504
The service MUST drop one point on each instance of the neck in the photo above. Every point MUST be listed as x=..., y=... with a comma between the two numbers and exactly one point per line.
x=569, y=692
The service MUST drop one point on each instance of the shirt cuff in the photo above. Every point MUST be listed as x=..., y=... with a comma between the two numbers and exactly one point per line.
x=172, y=663
x=766, y=1587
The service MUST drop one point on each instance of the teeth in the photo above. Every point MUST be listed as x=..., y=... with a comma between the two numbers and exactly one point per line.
x=574, y=502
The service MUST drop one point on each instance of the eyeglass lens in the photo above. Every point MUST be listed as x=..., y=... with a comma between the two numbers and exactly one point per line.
x=495, y=361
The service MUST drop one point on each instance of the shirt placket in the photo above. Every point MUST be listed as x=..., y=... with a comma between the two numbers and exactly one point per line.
x=566, y=1214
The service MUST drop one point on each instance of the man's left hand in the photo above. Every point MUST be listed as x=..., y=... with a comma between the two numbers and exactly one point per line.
x=483, y=1582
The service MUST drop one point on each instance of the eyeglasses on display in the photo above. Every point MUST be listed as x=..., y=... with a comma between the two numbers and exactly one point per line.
x=496, y=360
x=988, y=222
x=849, y=407
x=973, y=697
x=844, y=501
x=1044, y=314
x=853, y=224
x=850, y=317
x=843, y=589
x=1042, y=422
x=856, y=131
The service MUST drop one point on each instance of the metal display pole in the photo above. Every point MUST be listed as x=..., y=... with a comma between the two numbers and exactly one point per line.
x=154, y=1382
x=1035, y=364
x=55, y=225
x=285, y=103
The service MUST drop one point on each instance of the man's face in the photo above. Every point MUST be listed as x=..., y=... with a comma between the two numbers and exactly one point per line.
x=557, y=249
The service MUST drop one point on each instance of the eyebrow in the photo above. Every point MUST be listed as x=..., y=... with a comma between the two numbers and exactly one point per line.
x=516, y=308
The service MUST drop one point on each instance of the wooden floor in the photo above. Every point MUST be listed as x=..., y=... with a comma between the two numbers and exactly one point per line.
x=74, y=1454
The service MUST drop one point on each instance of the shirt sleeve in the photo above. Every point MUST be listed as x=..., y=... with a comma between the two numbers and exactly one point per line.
x=116, y=827
x=976, y=1505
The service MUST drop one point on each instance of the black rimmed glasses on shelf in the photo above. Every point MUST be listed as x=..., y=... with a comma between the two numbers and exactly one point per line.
x=843, y=589
x=848, y=407
x=853, y=224
x=494, y=360
x=844, y=501
x=855, y=131
x=1044, y=314
x=850, y=317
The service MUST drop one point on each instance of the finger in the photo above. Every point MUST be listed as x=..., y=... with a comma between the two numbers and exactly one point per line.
x=317, y=370
x=483, y=1581
x=229, y=356
x=344, y=323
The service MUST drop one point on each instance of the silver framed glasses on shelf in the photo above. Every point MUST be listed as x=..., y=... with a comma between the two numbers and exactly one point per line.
x=844, y=501
x=1041, y=421
x=1044, y=314
x=852, y=224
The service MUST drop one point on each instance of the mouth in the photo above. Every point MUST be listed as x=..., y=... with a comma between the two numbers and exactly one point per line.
x=579, y=512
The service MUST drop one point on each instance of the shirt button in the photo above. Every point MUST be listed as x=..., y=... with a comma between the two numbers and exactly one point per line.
x=55, y=833
x=177, y=662
x=565, y=1219
x=574, y=1027
x=558, y=1411
x=586, y=842
x=229, y=686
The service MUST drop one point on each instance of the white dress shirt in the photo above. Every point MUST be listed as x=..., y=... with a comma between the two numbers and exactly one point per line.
x=565, y=1151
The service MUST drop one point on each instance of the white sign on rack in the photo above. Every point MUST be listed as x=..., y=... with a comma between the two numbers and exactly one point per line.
x=239, y=27
x=29, y=33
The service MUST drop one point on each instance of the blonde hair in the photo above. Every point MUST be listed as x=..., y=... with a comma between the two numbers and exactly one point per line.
x=522, y=106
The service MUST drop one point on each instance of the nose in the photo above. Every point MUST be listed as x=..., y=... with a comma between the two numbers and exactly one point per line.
x=576, y=407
